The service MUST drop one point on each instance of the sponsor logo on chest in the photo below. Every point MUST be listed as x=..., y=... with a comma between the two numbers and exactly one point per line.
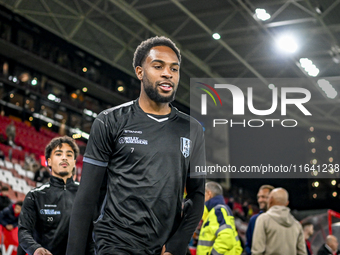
x=132, y=140
x=49, y=212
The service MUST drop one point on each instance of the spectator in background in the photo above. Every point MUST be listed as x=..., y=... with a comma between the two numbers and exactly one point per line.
x=9, y=216
x=308, y=230
x=231, y=203
x=262, y=199
x=277, y=231
x=42, y=175
x=2, y=155
x=218, y=234
x=330, y=247
x=245, y=208
x=4, y=200
x=30, y=163
x=10, y=133
x=2, y=137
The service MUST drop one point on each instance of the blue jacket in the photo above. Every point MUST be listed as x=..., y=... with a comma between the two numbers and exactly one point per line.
x=250, y=231
x=7, y=217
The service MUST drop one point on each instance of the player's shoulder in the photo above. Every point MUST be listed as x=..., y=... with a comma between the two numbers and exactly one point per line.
x=187, y=118
x=115, y=113
x=42, y=188
x=119, y=109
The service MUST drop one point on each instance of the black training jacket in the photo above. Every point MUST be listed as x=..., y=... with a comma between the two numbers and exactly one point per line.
x=45, y=215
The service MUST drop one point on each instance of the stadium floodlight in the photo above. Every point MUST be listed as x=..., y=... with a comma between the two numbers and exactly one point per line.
x=262, y=14
x=51, y=97
x=54, y=98
x=287, y=43
x=327, y=88
x=309, y=67
x=216, y=36
x=271, y=86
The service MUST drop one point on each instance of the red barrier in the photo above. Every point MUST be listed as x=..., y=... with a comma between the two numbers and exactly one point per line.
x=192, y=250
x=331, y=214
x=9, y=241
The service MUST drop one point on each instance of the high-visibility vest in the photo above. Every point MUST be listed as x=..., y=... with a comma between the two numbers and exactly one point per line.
x=218, y=235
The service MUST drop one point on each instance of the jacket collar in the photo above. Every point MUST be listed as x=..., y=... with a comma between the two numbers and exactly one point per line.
x=217, y=200
x=172, y=114
x=58, y=182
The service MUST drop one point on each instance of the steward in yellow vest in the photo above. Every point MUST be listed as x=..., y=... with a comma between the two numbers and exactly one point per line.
x=218, y=235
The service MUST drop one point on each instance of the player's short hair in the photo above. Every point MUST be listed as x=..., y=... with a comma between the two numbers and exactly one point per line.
x=306, y=223
x=19, y=203
x=143, y=49
x=57, y=142
x=215, y=188
x=266, y=186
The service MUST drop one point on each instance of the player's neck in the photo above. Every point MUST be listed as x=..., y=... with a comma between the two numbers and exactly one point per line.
x=152, y=107
x=64, y=178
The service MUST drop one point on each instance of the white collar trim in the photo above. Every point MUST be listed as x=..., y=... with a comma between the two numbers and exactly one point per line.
x=158, y=120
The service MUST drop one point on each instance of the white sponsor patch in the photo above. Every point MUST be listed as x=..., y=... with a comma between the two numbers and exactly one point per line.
x=135, y=140
x=49, y=212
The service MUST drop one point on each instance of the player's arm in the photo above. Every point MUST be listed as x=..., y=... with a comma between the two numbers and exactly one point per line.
x=98, y=151
x=26, y=225
x=193, y=213
x=84, y=207
x=195, y=186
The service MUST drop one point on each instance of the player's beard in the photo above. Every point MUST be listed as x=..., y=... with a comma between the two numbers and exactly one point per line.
x=62, y=173
x=152, y=92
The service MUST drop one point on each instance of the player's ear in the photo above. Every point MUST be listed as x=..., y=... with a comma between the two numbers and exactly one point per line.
x=139, y=72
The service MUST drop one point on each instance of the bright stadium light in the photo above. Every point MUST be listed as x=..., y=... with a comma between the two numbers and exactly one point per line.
x=309, y=67
x=271, y=86
x=327, y=88
x=51, y=97
x=262, y=14
x=287, y=43
x=216, y=36
x=54, y=98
